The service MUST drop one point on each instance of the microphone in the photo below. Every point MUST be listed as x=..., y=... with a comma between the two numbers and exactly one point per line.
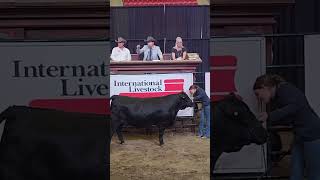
x=138, y=49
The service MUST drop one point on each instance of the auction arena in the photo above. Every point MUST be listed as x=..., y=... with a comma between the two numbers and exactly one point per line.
x=183, y=156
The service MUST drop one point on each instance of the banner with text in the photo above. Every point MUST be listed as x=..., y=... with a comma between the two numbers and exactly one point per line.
x=72, y=76
x=152, y=85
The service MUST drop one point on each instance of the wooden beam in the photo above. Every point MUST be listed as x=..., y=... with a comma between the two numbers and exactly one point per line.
x=166, y=66
x=244, y=21
x=54, y=23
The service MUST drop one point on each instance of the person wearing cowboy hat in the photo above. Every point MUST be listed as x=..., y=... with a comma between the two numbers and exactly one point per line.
x=120, y=53
x=150, y=51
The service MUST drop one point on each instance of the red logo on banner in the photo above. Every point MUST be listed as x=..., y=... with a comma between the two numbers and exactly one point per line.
x=222, y=76
x=172, y=86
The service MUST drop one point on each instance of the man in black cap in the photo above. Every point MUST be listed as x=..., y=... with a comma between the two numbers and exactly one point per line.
x=150, y=51
x=120, y=53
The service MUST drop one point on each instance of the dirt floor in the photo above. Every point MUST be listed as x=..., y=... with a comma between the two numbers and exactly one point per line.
x=183, y=156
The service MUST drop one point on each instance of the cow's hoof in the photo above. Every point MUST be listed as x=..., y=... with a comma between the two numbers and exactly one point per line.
x=121, y=142
x=161, y=144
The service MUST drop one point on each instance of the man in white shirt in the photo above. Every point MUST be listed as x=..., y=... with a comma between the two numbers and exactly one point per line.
x=120, y=53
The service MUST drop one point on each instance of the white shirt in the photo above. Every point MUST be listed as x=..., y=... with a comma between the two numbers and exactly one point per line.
x=120, y=54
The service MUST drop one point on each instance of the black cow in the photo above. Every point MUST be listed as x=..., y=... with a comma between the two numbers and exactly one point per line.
x=145, y=112
x=50, y=145
x=234, y=126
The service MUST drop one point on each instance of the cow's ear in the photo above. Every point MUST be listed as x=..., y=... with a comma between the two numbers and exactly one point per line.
x=238, y=97
x=232, y=94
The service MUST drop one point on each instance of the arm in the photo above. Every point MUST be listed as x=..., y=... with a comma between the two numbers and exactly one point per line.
x=184, y=56
x=292, y=101
x=113, y=55
x=160, y=53
x=173, y=55
x=287, y=110
x=129, y=55
x=139, y=51
x=199, y=96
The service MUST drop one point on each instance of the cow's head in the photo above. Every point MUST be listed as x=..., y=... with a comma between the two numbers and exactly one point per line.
x=238, y=125
x=184, y=101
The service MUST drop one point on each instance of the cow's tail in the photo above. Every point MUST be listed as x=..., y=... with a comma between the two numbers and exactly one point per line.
x=5, y=114
x=112, y=98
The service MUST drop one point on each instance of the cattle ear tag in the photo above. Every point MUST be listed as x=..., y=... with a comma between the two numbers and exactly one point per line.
x=182, y=96
x=235, y=113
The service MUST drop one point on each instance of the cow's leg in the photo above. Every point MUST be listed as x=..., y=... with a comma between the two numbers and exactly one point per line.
x=111, y=134
x=114, y=125
x=119, y=133
x=161, y=133
x=148, y=131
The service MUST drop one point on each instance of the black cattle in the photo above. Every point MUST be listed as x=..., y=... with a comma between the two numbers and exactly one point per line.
x=145, y=112
x=53, y=145
x=234, y=126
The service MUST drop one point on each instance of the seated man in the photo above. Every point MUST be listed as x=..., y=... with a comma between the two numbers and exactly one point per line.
x=150, y=51
x=179, y=52
x=120, y=53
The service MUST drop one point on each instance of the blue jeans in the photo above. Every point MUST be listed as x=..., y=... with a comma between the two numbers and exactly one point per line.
x=305, y=154
x=204, y=126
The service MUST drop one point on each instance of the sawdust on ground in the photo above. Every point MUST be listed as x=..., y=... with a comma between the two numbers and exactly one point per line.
x=183, y=156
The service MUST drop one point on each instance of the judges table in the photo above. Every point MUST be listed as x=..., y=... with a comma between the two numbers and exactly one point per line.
x=163, y=66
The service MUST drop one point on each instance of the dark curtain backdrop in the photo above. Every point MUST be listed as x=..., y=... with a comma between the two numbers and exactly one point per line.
x=161, y=22
x=164, y=23
x=289, y=50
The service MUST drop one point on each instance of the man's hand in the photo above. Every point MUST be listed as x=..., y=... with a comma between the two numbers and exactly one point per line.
x=263, y=116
